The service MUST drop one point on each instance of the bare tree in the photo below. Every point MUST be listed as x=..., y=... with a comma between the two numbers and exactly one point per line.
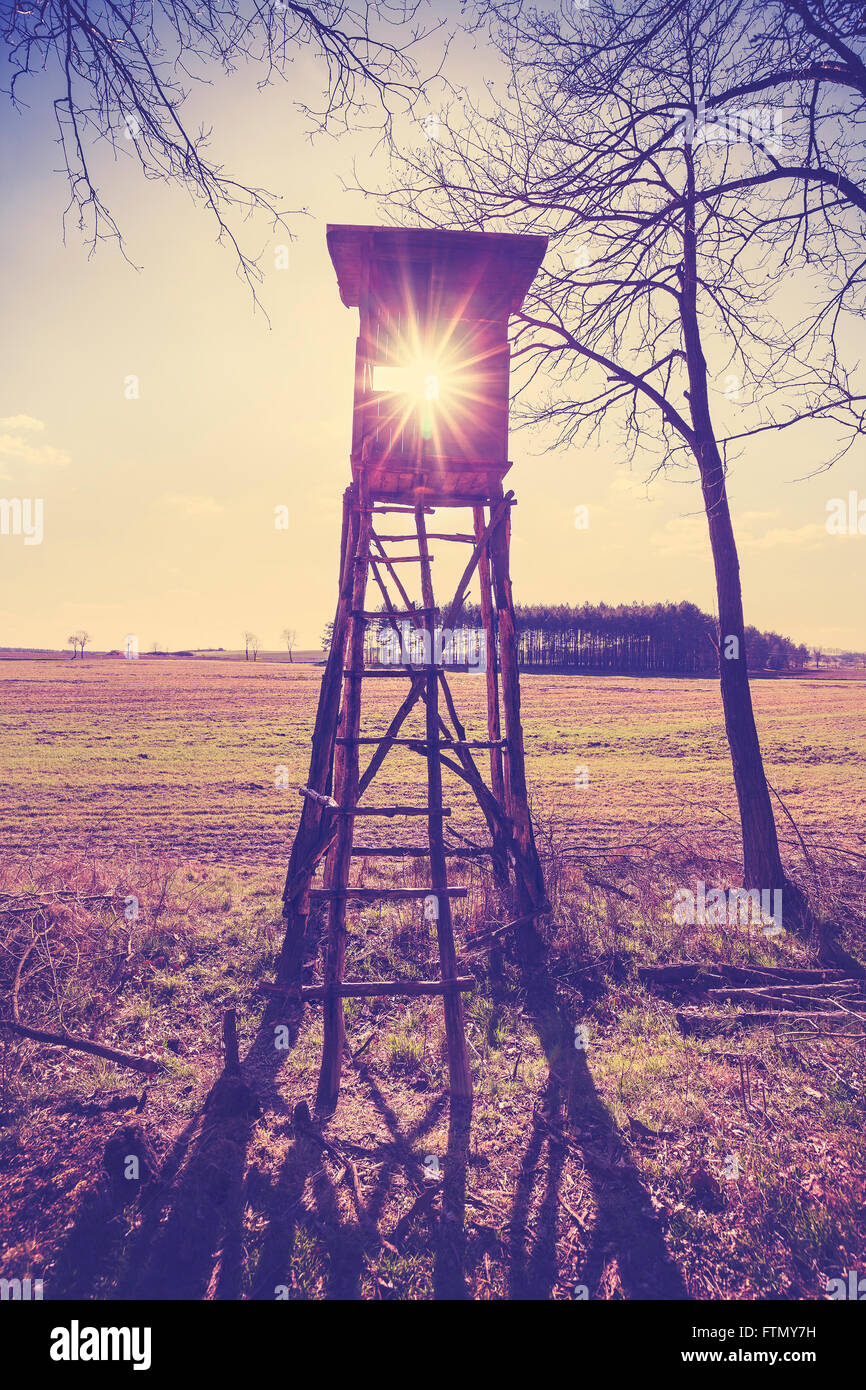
x=78, y=641
x=251, y=644
x=807, y=58
x=290, y=637
x=120, y=74
x=656, y=288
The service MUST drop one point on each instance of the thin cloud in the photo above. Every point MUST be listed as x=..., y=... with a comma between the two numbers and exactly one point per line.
x=43, y=455
x=21, y=422
x=686, y=535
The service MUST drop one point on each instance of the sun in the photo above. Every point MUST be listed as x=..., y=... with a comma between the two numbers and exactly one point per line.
x=419, y=379
x=437, y=393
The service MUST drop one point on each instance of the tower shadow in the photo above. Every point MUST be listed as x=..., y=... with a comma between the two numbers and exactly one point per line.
x=626, y=1229
x=188, y=1241
x=347, y=1242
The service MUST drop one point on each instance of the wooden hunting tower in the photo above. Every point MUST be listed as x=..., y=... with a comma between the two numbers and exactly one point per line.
x=430, y=432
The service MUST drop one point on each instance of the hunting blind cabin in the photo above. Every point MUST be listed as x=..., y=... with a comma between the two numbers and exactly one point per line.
x=429, y=435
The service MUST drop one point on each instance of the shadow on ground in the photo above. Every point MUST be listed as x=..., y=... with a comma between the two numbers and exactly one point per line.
x=188, y=1241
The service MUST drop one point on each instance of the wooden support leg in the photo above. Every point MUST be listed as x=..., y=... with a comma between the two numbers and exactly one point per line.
x=312, y=835
x=497, y=776
x=340, y=855
x=532, y=896
x=458, y=1058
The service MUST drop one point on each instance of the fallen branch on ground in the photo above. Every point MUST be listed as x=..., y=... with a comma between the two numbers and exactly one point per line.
x=123, y=1059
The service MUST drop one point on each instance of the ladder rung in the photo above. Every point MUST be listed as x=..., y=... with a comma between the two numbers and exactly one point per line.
x=375, y=673
x=397, y=613
x=383, y=738
x=422, y=743
x=410, y=510
x=394, y=811
x=371, y=989
x=386, y=894
x=390, y=852
x=432, y=536
x=414, y=851
x=391, y=559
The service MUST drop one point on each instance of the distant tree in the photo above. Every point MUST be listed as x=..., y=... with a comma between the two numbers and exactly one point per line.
x=327, y=637
x=72, y=641
x=290, y=637
x=667, y=638
x=251, y=644
x=78, y=641
x=817, y=654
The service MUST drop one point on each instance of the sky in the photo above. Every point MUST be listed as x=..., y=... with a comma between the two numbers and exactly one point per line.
x=158, y=512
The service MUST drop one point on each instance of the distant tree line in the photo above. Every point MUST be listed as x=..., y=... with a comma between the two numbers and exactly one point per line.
x=665, y=638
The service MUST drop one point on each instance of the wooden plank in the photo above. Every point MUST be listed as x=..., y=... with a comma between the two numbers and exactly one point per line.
x=413, y=851
x=385, y=894
x=374, y=673
x=422, y=743
x=339, y=856
x=530, y=876
x=396, y=559
x=379, y=510
x=450, y=536
x=491, y=674
x=377, y=989
x=394, y=613
x=459, y=1072
x=312, y=837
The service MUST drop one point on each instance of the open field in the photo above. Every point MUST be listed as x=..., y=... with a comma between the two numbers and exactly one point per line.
x=182, y=758
x=645, y=1163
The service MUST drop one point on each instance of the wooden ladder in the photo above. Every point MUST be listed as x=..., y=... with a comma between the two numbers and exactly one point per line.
x=336, y=786
x=338, y=893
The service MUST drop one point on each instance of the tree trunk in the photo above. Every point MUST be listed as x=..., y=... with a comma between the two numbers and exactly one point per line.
x=762, y=864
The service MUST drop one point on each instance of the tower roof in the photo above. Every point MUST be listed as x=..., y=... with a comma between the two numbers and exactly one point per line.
x=499, y=265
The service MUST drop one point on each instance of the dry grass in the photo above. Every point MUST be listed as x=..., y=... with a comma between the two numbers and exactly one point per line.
x=645, y=1163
